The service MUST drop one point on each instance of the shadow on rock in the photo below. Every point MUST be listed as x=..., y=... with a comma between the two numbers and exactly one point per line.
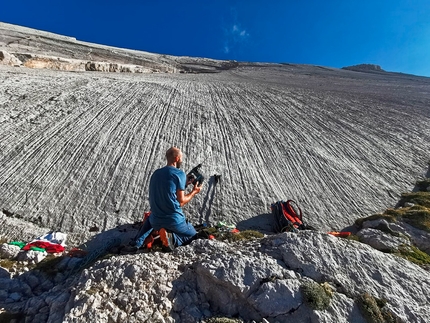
x=262, y=223
x=122, y=233
x=417, y=186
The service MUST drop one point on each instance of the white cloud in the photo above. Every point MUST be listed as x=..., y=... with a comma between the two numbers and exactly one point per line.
x=235, y=35
x=237, y=31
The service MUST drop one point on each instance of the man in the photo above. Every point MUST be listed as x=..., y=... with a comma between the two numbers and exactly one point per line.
x=166, y=198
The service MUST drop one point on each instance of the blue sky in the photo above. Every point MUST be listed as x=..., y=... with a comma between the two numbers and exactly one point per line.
x=394, y=34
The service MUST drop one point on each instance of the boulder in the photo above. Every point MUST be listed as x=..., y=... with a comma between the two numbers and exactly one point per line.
x=381, y=240
x=8, y=251
x=31, y=256
x=418, y=237
x=8, y=59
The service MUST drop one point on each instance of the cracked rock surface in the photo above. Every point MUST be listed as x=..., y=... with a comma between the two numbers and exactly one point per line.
x=253, y=280
x=77, y=150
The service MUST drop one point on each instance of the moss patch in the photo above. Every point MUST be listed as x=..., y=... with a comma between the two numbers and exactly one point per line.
x=239, y=236
x=11, y=263
x=94, y=290
x=417, y=215
x=359, y=222
x=231, y=237
x=415, y=255
x=316, y=296
x=419, y=219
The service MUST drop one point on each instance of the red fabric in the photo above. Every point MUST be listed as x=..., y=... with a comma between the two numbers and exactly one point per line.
x=149, y=241
x=146, y=215
x=48, y=246
x=76, y=252
x=291, y=215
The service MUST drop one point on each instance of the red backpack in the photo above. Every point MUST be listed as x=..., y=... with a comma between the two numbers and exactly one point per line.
x=287, y=216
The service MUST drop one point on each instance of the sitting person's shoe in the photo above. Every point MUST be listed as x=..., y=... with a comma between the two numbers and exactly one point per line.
x=166, y=240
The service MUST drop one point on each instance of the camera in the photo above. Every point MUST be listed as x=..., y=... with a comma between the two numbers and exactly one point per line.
x=195, y=176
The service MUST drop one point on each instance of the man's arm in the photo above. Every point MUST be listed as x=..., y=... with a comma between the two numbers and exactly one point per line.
x=185, y=198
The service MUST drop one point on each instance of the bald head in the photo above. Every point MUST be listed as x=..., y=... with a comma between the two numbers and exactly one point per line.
x=172, y=153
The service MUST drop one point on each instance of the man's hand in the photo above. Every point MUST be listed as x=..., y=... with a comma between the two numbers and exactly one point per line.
x=184, y=199
x=197, y=187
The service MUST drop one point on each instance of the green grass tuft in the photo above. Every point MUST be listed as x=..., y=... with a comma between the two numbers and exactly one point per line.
x=246, y=235
x=420, y=198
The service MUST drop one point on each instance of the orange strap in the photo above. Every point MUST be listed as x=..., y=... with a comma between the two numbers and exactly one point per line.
x=340, y=234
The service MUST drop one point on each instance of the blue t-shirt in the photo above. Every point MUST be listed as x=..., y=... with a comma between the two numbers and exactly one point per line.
x=165, y=208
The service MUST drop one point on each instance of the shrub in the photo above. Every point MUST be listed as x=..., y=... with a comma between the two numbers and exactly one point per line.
x=374, y=311
x=316, y=296
x=370, y=309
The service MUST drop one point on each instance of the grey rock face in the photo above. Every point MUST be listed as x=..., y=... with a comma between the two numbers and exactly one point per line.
x=357, y=268
x=394, y=234
x=78, y=149
x=419, y=238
